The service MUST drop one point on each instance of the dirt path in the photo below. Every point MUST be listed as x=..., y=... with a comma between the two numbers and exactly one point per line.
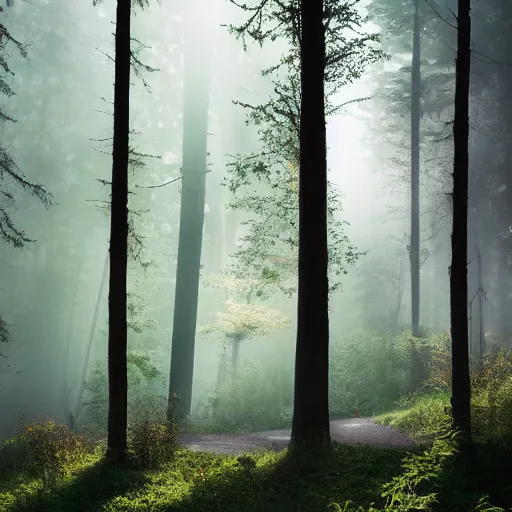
x=349, y=431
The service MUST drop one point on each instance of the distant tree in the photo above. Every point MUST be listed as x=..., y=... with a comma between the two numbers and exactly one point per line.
x=12, y=177
x=195, y=123
x=243, y=317
x=461, y=388
x=415, y=170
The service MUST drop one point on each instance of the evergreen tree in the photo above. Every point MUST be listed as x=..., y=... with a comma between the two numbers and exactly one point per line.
x=11, y=175
x=461, y=389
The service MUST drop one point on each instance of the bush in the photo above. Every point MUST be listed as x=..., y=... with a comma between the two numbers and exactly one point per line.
x=368, y=374
x=152, y=445
x=259, y=399
x=152, y=434
x=44, y=448
x=492, y=397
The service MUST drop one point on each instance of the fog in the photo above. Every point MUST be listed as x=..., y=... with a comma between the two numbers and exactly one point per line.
x=54, y=291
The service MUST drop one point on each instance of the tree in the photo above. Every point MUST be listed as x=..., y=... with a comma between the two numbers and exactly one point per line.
x=242, y=317
x=12, y=177
x=331, y=61
x=117, y=328
x=310, y=424
x=461, y=389
x=195, y=123
x=415, y=171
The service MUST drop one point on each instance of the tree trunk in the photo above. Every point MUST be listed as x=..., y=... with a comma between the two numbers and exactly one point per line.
x=117, y=328
x=195, y=124
x=310, y=425
x=415, y=172
x=461, y=389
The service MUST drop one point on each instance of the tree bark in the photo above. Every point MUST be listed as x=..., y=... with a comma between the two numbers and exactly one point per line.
x=310, y=425
x=117, y=328
x=461, y=389
x=195, y=124
x=415, y=172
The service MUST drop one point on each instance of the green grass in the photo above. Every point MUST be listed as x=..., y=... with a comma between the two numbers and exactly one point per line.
x=207, y=482
x=279, y=482
x=418, y=416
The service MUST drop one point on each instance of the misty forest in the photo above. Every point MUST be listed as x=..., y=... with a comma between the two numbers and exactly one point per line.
x=256, y=255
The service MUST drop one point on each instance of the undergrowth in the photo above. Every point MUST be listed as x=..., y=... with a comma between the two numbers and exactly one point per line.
x=364, y=479
x=368, y=374
x=421, y=413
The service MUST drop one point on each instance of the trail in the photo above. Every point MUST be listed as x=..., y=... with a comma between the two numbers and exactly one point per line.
x=354, y=431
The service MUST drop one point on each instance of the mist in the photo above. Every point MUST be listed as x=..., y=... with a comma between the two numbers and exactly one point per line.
x=54, y=290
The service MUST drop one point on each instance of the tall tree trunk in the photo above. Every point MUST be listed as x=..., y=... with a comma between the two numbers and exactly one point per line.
x=461, y=389
x=310, y=425
x=415, y=171
x=195, y=124
x=117, y=328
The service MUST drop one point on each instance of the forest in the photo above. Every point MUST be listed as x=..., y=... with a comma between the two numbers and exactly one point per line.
x=256, y=255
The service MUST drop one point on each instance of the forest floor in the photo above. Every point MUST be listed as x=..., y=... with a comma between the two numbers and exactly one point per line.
x=354, y=431
x=270, y=479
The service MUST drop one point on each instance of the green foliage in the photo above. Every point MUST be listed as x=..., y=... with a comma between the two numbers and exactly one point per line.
x=259, y=399
x=421, y=413
x=368, y=374
x=44, y=449
x=270, y=247
x=142, y=379
x=263, y=481
x=492, y=397
x=371, y=371
x=152, y=444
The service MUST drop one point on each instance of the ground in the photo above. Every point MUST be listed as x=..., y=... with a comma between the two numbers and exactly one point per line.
x=354, y=431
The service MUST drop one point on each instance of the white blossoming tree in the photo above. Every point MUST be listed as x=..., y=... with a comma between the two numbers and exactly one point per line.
x=241, y=318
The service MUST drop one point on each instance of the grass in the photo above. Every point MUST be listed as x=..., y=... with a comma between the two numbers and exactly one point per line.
x=207, y=482
x=419, y=416
x=269, y=481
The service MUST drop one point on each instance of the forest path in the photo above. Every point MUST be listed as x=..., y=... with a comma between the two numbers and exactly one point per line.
x=352, y=431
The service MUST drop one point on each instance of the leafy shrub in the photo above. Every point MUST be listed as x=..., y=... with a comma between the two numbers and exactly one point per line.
x=492, y=397
x=152, y=444
x=420, y=414
x=416, y=488
x=14, y=455
x=369, y=372
x=49, y=449
x=152, y=434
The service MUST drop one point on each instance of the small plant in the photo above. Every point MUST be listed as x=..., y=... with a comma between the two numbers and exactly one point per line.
x=151, y=445
x=52, y=448
x=152, y=435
